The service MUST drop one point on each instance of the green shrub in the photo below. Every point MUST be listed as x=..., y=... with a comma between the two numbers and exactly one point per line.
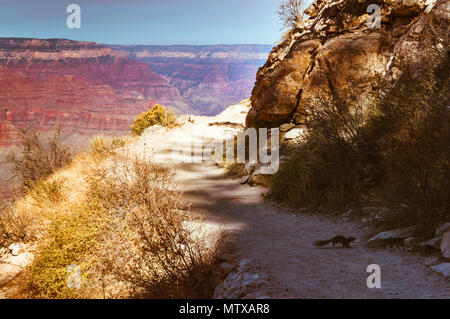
x=157, y=115
x=71, y=240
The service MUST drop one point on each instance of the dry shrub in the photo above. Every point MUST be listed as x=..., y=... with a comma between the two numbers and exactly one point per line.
x=235, y=170
x=51, y=189
x=412, y=126
x=291, y=13
x=319, y=175
x=326, y=170
x=149, y=243
x=128, y=237
x=102, y=146
x=15, y=226
x=38, y=161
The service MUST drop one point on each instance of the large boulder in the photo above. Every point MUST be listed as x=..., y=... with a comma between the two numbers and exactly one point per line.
x=336, y=49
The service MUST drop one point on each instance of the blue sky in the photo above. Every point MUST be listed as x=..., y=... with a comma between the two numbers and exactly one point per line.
x=146, y=21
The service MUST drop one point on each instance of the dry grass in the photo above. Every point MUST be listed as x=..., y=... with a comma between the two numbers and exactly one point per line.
x=103, y=146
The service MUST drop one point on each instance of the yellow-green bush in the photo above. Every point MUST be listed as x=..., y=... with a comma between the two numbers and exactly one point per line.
x=71, y=240
x=157, y=115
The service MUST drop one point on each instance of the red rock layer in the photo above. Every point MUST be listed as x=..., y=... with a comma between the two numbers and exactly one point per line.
x=210, y=77
x=84, y=87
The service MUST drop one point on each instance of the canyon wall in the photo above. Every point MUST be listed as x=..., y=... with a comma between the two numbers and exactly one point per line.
x=339, y=48
x=89, y=88
x=85, y=87
x=209, y=77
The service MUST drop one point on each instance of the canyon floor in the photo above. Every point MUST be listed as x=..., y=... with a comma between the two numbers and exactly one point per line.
x=277, y=243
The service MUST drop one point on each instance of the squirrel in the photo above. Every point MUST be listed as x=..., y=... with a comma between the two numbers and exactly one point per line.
x=338, y=239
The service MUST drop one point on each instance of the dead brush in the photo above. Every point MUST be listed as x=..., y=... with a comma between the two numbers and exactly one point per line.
x=15, y=226
x=103, y=146
x=38, y=160
x=148, y=243
x=51, y=190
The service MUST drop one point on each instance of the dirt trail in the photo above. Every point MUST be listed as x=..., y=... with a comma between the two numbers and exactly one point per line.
x=280, y=243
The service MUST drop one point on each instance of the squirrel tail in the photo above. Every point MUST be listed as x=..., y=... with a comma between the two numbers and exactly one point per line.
x=321, y=242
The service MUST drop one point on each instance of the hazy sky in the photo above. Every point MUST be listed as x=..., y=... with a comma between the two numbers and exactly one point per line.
x=146, y=21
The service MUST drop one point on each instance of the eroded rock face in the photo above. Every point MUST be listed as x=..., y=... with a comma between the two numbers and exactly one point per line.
x=85, y=87
x=337, y=49
x=209, y=77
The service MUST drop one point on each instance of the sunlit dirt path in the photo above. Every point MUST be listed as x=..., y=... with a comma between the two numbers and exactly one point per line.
x=280, y=243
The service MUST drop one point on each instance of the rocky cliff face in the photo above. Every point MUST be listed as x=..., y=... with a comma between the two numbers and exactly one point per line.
x=336, y=48
x=208, y=77
x=86, y=87
x=90, y=88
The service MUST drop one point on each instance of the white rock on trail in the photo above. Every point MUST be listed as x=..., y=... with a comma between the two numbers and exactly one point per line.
x=241, y=283
x=442, y=229
x=16, y=248
x=433, y=243
x=443, y=269
x=390, y=236
x=445, y=245
x=8, y=272
x=293, y=134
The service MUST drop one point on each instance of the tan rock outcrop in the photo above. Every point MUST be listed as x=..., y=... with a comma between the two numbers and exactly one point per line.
x=338, y=48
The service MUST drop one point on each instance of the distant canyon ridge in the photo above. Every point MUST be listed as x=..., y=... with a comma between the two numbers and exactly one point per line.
x=92, y=88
